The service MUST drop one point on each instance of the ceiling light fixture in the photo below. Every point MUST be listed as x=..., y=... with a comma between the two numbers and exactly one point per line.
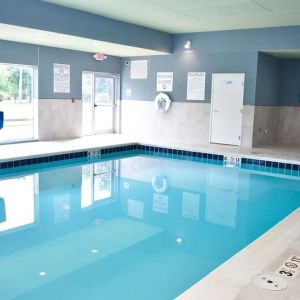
x=188, y=45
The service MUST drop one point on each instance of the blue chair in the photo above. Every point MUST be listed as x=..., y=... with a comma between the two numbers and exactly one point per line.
x=1, y=119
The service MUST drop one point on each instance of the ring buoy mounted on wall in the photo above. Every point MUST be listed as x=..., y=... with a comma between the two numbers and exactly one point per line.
x=159, y=184
x=162, y=102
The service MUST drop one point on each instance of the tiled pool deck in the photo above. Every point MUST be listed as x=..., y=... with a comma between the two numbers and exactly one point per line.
x=234, y=278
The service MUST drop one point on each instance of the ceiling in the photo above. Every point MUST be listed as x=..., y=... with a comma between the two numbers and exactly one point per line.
x=182, y=16
x=52, y=39
x=287, y=54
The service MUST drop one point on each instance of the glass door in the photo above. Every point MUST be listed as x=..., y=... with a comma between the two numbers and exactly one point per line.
x=99, y=95
x=104, y=103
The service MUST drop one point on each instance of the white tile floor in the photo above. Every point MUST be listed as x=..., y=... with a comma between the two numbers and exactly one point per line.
x=233, y=279
x=35, y=149
x=25, y=150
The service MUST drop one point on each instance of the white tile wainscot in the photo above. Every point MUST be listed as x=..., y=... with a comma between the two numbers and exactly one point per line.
x=289, y=125
x=185, y=122
x=59, y=119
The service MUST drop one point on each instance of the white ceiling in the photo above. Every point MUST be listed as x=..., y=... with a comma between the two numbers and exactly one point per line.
x=287, y=54
x=52, y=39
x=181, y=16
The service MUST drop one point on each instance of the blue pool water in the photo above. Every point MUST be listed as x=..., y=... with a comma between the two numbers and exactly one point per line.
x=132, y=227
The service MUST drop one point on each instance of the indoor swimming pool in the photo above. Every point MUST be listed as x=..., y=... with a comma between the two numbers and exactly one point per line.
x=130, y=226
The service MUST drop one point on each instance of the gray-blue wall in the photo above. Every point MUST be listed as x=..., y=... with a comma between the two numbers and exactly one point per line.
x=215, y=52
x=18, y=53
x=290, y=82
x=45, y=57
x=245, y=40
x=268, y=80
x=190, y=61
x=79, y=62
x=233, y=51
x=278, y=81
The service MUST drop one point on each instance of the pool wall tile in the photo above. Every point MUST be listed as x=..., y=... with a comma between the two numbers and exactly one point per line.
x=250, y=163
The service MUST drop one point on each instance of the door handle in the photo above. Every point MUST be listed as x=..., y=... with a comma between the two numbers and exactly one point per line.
x=113, y=105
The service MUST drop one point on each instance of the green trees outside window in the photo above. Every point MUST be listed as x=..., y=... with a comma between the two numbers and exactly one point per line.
x=16, y=83
x=17, y=102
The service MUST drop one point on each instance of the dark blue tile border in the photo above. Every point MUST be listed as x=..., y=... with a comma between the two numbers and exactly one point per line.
x=42, y=160
x=274, y=166
x=180, y=154
x=281, y=167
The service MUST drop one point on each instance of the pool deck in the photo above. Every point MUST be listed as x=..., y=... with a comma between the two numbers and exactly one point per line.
x=34, y=149
x=234, y=278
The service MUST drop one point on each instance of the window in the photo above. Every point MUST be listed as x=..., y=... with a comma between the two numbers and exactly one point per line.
x=18, y=102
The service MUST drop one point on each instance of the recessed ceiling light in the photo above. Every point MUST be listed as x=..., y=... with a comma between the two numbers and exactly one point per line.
x=95, y=251
x=42, y=273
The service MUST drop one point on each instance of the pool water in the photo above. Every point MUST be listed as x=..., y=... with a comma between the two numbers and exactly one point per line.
x=134, y=227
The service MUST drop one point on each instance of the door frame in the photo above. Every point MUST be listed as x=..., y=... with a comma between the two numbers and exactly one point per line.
x=212, y=106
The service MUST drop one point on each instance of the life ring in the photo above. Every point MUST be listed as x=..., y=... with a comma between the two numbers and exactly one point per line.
x=159, y=184
x=162, y=102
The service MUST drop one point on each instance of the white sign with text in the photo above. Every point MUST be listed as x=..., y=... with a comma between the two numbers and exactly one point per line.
x=61, y=78
x=196, y=86
x=164, y=82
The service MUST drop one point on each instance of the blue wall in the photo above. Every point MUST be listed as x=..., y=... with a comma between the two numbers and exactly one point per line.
x=214, y=52
x=246, y=40
x=268, y=81
x=45, y=57
x=278, y=81
x=79, y=62
x=220, y=52
x=18, y=53
x=46, y=16
x=290, y=83
x=190, y=61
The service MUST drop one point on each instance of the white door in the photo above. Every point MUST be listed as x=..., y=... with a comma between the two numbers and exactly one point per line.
x=226, y=108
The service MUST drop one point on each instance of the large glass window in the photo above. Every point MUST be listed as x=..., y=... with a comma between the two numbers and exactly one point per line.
x=18, y=102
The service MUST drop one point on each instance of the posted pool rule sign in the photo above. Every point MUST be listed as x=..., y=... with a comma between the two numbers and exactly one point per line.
x=61, y=78
x=291, y=267
x=164, y=82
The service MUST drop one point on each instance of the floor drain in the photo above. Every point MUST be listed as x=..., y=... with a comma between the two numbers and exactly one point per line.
x=270, y=282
